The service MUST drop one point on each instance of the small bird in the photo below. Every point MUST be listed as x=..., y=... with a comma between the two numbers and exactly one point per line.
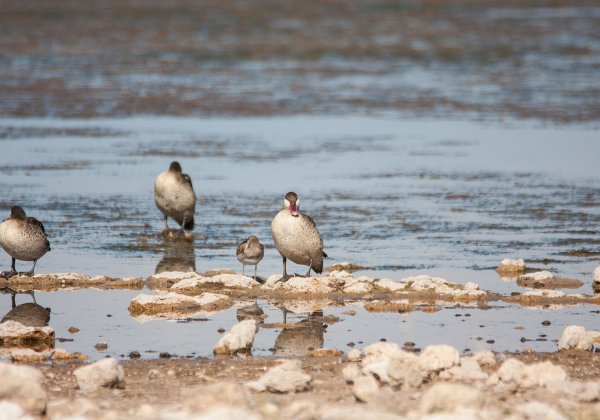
x=250, y=252
x=174, y=196
x=23, y=238
x=296, y=237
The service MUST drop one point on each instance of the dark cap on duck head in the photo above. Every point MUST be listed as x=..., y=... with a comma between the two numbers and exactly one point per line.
x=175, y=167
x=16, y=212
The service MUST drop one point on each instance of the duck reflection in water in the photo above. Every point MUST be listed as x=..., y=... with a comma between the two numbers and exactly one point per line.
x=300, y=337
x=179, y=256
x=29, y=314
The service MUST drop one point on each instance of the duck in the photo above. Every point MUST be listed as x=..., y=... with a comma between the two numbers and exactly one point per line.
x=250, y=252
x=174, y=196
x=296, y=237
x=23, y=238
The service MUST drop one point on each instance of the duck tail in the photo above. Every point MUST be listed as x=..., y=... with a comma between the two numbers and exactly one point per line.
x=48, y=245
x=189, y=224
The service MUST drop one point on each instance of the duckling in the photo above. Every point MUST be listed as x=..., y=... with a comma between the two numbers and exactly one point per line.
x=23, y=238
x=296, y=237
x=174, y=196
x=250, y=252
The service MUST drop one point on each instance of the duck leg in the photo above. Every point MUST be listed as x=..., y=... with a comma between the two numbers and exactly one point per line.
x=308, y=273
x=243, y=269
x=255, y=272
x=30, y=272
x=285, y=312
x=12, y=272
x=285, y=276
x=181, y=232
x=166, y=223
x=309, y=267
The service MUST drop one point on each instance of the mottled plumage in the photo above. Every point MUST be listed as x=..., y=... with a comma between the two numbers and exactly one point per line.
x=174, y=196
x=23, y=238
x=296, y=236
x=250, y=252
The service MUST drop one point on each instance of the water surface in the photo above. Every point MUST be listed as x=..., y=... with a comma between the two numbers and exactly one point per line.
x=400, y=197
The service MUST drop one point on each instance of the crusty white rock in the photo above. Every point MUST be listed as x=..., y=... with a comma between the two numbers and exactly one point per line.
x=22, y=385
x=438, y=357
x=238, y=339
x=448, y=397
x=286, y=377
x=576, y=337
x=104, y=373
x=508, y=266
x=365, y=388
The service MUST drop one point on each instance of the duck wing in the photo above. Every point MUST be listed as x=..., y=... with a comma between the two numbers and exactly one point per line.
x=240, y=248
x=187, y=180
x=35, y=222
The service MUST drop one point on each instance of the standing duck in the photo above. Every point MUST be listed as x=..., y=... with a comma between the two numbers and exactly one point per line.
x=296, y=236
x=174, y=196
x=250, y=252
x=23, y=238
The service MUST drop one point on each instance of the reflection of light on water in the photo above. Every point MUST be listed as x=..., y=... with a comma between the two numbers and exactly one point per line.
x=520, y=190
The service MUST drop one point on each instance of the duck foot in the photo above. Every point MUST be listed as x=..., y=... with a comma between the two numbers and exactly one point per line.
x=9, y=274
x=26, y=273
x=284, y=278
x=175, y=234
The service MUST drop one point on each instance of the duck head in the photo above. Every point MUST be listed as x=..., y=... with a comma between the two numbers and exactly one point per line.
x=252, y=240
x=292, y=203
x=175, y=167
x=16, y=212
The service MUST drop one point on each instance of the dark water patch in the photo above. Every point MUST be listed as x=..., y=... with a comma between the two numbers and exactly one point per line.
x=66, y=166
x=581, y=252
x=546, y=261
x=20, y=132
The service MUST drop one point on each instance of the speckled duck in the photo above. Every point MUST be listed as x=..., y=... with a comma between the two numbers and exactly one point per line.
x=174, y=196
x=250, y=252
x=296, y=237
x=24, y=239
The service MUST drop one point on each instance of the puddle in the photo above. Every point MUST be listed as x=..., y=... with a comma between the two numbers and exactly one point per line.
x=399, y=197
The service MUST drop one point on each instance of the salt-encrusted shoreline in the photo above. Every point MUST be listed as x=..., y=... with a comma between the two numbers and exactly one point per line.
x=70, y=281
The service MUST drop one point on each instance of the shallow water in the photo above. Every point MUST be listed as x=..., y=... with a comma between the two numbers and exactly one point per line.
x=398, y=196
x=271, y=58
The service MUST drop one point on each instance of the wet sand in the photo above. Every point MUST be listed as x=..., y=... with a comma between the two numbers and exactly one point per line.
x=174, y=384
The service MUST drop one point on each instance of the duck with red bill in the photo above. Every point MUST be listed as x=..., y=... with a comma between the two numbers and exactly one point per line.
x=296, y=237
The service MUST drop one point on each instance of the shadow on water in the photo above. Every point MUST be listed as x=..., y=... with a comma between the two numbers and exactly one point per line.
x=179, y=255
x=30, y=314
x=299, y=338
